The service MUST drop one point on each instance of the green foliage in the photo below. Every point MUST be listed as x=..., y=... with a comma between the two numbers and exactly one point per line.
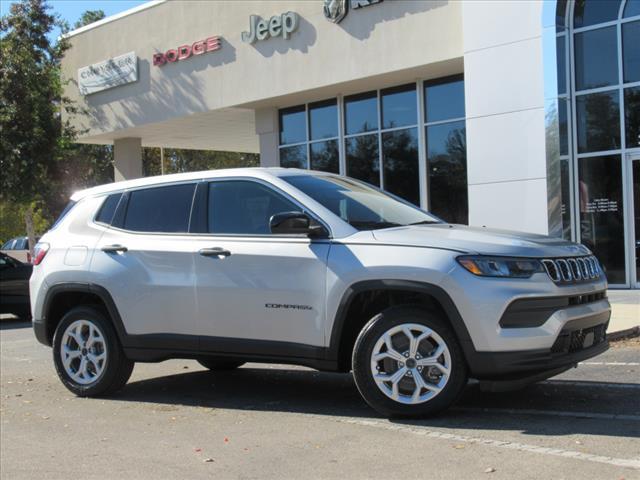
x=33, y=134
x=182, y=160
x=12, y=220
x=88, y=17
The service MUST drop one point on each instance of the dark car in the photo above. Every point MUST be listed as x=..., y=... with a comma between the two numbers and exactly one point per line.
x=14, y=286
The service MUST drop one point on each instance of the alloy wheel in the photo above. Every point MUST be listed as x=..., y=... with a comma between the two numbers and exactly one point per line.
x=411, y=363
x=83, y=352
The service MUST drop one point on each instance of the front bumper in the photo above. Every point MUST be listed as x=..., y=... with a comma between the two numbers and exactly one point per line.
x=578, y=340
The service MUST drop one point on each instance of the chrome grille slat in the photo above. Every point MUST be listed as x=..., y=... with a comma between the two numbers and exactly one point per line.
x=572, y=269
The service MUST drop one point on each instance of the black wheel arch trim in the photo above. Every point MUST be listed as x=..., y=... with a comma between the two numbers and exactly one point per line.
x=441, y=296
x=77, y=287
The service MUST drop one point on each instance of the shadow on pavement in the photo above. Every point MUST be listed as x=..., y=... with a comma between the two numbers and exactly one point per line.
x=333, y=394
x=14, y=323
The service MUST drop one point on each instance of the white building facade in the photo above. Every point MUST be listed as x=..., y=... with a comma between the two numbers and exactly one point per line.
x=522, y=115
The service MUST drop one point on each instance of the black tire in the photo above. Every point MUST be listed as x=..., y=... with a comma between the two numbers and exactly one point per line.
x=217, y=364
x=117, y=368
x=361, y=363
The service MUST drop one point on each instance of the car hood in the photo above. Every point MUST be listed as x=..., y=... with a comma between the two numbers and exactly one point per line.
x=478, y=240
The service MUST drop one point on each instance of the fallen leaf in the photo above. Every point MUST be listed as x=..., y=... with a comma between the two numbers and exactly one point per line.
x=208, y=460
x=490, y=470
x=197, y=449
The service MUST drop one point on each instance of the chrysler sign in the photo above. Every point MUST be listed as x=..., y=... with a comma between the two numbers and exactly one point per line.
x=108, y=74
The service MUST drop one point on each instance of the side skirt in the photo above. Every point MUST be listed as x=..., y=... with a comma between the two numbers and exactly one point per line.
x=159, y=347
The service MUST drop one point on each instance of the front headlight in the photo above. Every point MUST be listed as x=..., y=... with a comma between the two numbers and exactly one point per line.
x=500, y=266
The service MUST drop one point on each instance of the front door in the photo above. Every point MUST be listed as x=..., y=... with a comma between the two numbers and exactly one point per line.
x=253, y=285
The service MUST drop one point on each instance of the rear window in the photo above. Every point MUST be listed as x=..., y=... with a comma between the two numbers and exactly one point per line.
x=161, y=209
x=64, y=213
x=108, y=209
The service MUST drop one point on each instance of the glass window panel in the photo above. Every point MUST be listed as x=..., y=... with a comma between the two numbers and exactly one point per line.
x=325, y=156
x=399, y=106
x=293, y=127
x=241, y=207
x=561, y=12
x=294, y=157
x=631, y=51
x=591, y=12
x=108, y=208
x=631, y=10
x=400, y=161
x=361, y=113
x=565, y=193
x=596, y=58
x=562, y=64
x=444, y=101
x=363, y=160
x=598, y=119
x=632, y=116
x=563, y=127
x=163, y=209
x=447, y=170
x=360, y=205
x=601, y=218
x=323, y=120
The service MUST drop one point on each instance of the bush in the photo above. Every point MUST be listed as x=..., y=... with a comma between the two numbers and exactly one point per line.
x=12, y=220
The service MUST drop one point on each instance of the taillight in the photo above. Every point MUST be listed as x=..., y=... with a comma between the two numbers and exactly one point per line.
x=29, y=257
x=39, y=252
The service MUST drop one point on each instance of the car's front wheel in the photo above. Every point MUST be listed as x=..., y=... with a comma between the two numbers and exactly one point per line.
x=407, y=362
x=87, y=354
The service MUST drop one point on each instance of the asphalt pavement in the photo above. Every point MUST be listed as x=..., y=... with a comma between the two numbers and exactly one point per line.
x=176, y=420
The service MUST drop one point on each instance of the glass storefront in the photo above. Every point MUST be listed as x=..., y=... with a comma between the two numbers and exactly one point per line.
x=381, y=137
x=598, y=56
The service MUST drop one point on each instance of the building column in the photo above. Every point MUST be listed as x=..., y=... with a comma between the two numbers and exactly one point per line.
x=127, y=158
x=504, y=100
x=267, y=130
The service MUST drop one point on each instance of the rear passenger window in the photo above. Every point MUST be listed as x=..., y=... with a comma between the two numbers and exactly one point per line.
x=108, y=209
x=162, y=209
x=244, y=208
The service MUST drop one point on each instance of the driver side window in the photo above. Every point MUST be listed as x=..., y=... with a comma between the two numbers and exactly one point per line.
x=244, y=207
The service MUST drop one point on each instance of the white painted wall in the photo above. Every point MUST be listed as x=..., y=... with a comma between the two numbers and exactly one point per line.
x=504, y=92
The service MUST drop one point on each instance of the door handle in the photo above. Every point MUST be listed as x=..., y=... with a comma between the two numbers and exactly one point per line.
x=214, y=252
x=114, y=249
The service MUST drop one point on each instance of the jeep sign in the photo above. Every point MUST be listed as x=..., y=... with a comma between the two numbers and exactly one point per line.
x=278, y=25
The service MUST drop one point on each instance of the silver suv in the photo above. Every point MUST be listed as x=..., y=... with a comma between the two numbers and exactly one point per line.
x=307, y=268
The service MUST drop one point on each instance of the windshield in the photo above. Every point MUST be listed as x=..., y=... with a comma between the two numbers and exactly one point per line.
x=362, y=206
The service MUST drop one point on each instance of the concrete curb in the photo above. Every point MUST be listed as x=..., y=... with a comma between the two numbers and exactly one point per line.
x=623, y=334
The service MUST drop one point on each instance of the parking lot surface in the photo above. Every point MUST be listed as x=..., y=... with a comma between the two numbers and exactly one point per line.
x=177, y=420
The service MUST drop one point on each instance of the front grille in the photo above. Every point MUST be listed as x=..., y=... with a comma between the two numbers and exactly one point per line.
x=571, y=270
x=571, y=342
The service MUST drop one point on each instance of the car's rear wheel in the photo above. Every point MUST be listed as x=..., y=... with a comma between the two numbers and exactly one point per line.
x=216, y=364
x=87, y=354
x=407, y=362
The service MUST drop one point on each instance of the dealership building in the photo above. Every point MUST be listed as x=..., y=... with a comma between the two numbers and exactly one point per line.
x=521, y=115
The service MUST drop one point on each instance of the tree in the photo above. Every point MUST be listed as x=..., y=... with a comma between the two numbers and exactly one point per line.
x=88, y=17
x=33, y=133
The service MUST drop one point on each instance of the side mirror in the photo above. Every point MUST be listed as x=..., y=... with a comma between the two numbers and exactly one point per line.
x=295, y=223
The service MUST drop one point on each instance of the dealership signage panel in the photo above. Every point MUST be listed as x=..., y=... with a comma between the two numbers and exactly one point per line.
x=278, y=25
x=108, y=74
x=183, y=52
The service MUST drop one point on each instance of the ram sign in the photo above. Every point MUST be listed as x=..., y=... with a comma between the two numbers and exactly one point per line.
x=108, y=74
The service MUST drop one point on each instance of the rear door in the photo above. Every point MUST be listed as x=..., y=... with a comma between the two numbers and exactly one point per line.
x=145, y=261
x=263, y=287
